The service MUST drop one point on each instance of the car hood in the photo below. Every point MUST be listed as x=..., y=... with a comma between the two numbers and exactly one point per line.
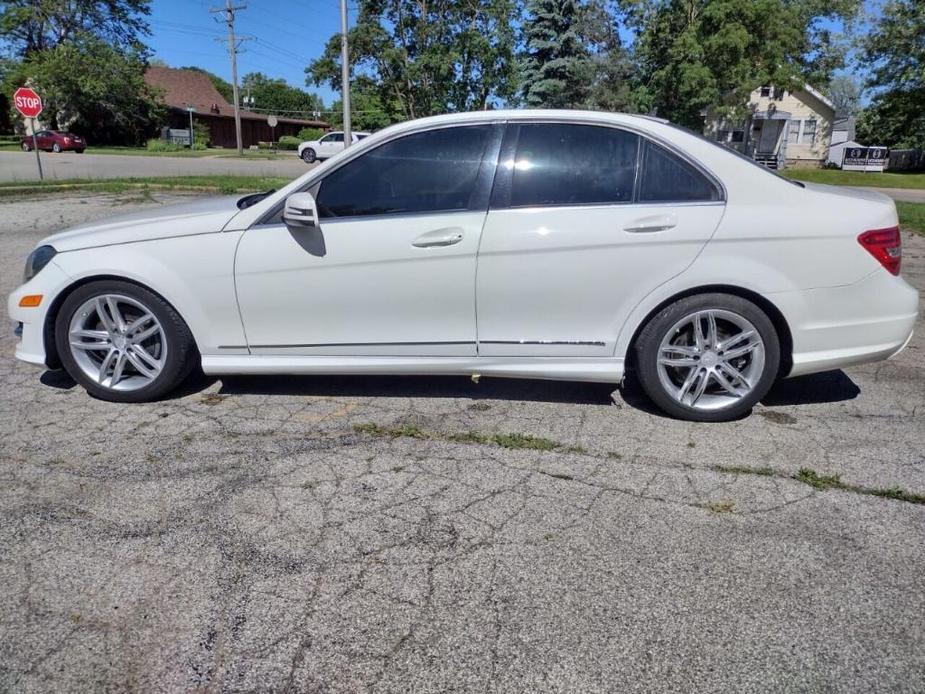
x=184, y=219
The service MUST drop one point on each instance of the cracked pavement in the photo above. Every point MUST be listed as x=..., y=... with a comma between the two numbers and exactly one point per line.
x=243, y=535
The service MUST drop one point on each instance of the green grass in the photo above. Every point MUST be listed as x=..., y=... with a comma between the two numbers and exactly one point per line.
x=510, y=441
x=822, y=482
x=837, y=177
x=912, y=216
x=207, y=183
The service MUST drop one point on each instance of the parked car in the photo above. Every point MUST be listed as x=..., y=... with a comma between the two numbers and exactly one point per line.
x=524, y=244
x=54, y=141
x=327, y=146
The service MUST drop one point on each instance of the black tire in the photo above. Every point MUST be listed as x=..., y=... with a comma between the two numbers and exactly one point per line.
x=79, y=151
x=56, y=148
x=650, y=339
x=182, y=355
x=308, y=155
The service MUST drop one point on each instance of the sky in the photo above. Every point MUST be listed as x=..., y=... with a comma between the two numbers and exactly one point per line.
x=287, y=36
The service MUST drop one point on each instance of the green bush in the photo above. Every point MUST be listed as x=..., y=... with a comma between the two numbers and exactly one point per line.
x=263, y=145
x=310, y=134
x=201, y=135
x=157, y=145
x=289, y=142
x=199, y=146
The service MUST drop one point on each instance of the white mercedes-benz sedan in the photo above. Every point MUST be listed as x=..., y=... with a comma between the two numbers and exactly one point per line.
x=526, y=244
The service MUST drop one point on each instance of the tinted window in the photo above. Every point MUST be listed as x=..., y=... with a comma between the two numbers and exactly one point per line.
x=573, y=165
x=665, y=177
x=424, y=172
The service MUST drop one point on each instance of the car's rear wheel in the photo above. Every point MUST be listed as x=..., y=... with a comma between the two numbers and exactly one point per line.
x=309, y=156
x=56, y=148
x=708, y=358
x=79, y=151
x=26, y=147
x=122, y=342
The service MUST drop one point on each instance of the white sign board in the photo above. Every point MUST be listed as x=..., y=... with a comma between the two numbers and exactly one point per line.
x=272, y=121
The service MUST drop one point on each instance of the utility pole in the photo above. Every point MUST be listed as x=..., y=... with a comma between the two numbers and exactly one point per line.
x=345, y=73
x=234, y=45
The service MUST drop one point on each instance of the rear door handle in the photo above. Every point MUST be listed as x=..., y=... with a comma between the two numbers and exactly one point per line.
x=439, y=237
x=659, y=222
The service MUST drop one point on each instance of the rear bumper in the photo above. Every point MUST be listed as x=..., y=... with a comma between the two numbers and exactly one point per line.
x=836, y=327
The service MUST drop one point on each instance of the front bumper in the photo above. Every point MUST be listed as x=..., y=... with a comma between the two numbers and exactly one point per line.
x=30, y=322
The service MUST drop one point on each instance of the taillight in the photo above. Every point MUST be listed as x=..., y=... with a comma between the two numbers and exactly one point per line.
x=885, y=245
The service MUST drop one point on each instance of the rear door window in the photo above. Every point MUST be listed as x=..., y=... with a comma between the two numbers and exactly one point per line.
x=565, y=164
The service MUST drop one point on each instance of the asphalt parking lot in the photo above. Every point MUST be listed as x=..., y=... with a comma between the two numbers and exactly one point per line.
x=434, y=535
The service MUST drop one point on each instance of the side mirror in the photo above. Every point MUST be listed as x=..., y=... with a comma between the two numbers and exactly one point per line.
x=300, y=211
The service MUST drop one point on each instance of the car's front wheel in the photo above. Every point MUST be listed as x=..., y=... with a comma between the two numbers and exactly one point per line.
x=56, y=148
x=122, y=342
x=708, y=358
x=309, y=156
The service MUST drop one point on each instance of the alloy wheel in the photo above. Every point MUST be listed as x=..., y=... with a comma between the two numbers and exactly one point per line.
x=710, y=359
x=117, y=342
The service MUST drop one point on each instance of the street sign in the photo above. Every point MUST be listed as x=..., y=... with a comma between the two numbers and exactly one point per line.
x=272, y=121
x=27, y=102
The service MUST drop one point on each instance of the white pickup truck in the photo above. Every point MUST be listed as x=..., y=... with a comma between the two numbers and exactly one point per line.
x=326, y=147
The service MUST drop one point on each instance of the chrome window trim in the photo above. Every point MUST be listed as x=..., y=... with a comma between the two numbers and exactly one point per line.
x=359, y=150
x=642, y=133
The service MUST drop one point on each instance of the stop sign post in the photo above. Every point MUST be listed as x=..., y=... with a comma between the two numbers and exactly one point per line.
x=29, y=104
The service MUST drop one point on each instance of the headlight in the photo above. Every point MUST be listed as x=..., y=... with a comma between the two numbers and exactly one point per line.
x=38, y=259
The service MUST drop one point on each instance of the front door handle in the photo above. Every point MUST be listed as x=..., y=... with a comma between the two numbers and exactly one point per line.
x=439, y=237
x=659, y=222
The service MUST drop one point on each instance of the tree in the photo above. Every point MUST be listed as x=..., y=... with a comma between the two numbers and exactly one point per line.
x=92, y=88
x=845, y=92
x=894, y=51
x=274, y=95
x=612, y=78
x=695, y=55
x=37, y=25
x=368, y=112
x=556, y=62
x=428, y=57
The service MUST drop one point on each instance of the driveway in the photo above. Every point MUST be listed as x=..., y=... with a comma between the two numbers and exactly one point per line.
x=20, y=166
x=408, y=534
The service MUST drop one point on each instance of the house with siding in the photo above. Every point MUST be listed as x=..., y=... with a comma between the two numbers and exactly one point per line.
x=783, y=128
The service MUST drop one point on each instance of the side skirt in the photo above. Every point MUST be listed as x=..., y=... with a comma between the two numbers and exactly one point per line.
x=598, y=370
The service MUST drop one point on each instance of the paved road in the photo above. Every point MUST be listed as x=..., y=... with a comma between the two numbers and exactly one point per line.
x=281, y=534
x=20, y=166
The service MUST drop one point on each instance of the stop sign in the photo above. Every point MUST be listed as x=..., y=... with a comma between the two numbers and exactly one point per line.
x=27, y=102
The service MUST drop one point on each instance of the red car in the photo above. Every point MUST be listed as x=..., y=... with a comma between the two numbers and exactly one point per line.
x=53, y=141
